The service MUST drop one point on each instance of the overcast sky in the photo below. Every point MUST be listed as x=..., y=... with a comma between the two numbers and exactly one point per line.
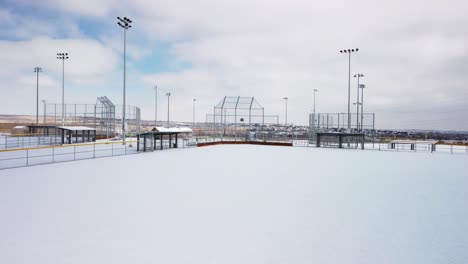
x=414, y=55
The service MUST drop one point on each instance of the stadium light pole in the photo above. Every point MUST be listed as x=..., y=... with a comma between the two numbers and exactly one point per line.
x=37, y=70
x=44, y=102
x=358, y=76
x=357, y=104
x=194, y=100
x=362, y=86
x=315, y=91
x=168, y=96
x=349, y=51
x=63, y=57
x=155, y=106
x=286, y=112
x=125, y=24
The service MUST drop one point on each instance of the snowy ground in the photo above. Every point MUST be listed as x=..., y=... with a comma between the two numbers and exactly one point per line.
x=239, y=204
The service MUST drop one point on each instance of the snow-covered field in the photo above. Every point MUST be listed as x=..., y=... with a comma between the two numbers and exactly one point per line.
x=238, y=204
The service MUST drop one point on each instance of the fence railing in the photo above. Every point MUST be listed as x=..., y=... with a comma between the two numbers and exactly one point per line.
x=375, y=144
x=384, y=146
x=22, y=157
x=27, y=141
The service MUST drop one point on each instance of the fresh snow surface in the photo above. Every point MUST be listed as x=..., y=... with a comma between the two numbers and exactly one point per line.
x=239, y=204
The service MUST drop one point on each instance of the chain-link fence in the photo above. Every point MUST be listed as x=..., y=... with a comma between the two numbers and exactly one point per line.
x=104, y=116
x=379, y=144
x=8, y=141
x=12, y=158
x=29, y=156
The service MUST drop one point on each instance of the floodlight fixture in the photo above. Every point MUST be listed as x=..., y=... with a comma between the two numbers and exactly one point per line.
x=362, y=86
x=286, y=111
x=125, y=24
x=37, y=70
x=168, y=94
x=315, y=91
x=349, y=51
x=63, y=56
x=194, y=100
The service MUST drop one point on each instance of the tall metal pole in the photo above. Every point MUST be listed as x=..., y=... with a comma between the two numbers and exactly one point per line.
x=358, y=76
x=286, y=114
x=349, y=91
x=45, y=111
x=155, y=105
x=194, y=100
x=315, y=90
x=362, y=86
x=349, y=51
x=124, y=92
x=357, y=104
x=37, y=70
x=63, y=57
x=125, y=24
x=63, y=92
x=37, y=96
x=168, y=108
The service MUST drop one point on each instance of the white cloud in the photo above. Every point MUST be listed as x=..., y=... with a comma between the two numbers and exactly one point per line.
x=87, y=57
x=411, y=52
x=90, y=65
x=135, y=51
x=90, y=8
x=278, y=49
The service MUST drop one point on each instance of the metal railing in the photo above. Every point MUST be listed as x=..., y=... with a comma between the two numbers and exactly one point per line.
x=22, y=157
x=376, y=143
x=27, y=141
x=384, y=146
